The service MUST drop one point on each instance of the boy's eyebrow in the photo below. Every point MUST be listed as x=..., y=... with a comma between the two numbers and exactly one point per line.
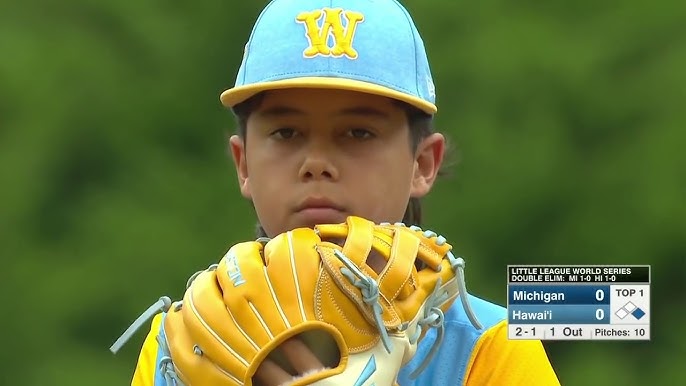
x=280, y=111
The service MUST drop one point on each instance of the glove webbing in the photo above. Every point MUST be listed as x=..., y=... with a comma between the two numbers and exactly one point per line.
x=433, y=315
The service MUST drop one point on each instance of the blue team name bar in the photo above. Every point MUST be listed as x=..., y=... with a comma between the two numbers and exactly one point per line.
x=558, y=314
x=558, y=294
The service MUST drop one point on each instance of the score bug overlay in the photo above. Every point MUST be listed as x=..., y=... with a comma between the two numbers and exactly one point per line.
x=578, y=302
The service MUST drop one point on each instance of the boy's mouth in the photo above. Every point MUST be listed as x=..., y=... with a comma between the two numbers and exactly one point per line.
x=320, y=210
x=318, y=203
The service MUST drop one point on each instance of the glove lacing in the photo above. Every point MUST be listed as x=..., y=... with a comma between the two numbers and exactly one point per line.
x=370, y=293
x=166, y=364
x=433, y=316
x=164, y=304
x=458, y=265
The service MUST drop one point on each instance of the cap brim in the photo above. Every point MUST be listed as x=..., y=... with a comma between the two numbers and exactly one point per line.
x=236, y=95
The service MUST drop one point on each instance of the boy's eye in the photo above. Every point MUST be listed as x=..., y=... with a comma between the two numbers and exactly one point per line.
x=284, y=133
x=360, y=133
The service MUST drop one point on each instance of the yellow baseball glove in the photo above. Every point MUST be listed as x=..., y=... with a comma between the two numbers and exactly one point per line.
x=362, y=323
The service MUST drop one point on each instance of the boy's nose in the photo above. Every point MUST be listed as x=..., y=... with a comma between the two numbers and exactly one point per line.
x=317, y=167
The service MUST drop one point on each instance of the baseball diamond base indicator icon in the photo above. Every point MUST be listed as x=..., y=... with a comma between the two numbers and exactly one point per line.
x=630, y=309
x=603, y=302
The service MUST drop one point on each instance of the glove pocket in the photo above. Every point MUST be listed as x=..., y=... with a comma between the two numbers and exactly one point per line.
x=340, y=310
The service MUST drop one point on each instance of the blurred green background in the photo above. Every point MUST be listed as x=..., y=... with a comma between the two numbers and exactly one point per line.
x=567, y=118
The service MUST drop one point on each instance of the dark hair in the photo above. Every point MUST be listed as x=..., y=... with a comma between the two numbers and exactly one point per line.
x=420, y=123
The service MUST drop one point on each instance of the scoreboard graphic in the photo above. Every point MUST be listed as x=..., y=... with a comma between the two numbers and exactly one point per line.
x=574, y=302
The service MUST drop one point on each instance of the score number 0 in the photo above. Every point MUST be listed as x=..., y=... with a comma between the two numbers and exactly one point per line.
x=599, y=296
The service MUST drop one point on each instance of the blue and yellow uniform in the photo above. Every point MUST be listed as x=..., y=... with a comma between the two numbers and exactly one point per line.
x=371, y=46
x=467, y=356
x=480, y=357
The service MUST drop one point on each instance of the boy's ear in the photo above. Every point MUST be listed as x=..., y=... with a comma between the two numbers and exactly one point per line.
x=428, y=161
x=237, y=146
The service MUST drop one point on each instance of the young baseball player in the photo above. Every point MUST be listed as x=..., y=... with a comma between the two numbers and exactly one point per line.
x=334, y=103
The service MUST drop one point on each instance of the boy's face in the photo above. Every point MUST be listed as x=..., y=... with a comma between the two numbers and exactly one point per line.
x=315, y=156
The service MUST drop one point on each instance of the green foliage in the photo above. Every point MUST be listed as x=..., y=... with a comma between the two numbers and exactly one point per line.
x=567, y=118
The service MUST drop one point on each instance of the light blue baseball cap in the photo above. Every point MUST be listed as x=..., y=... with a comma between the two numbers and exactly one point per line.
x=370, y=46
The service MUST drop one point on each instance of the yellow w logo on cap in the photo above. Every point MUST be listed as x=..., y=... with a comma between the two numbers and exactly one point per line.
x=332, y=26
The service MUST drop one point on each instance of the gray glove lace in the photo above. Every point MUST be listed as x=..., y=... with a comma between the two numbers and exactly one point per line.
x=166, y=364
x=458, y=265
x=162, y=305
x=370, y=293
x=433, y=316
